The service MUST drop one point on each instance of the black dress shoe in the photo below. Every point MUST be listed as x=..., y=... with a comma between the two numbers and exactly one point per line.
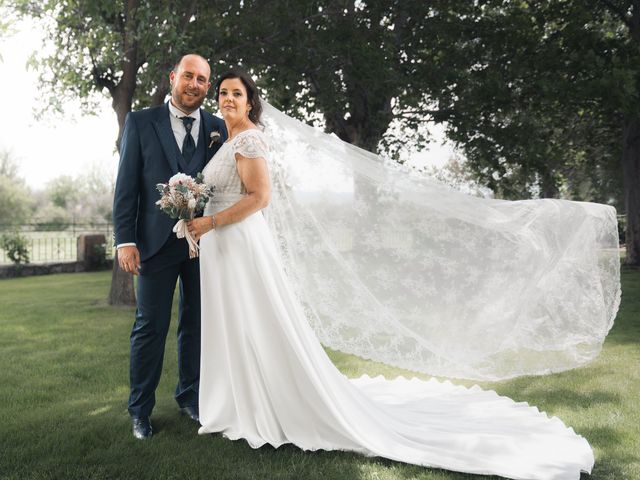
x=141, y=428
x=192, y=412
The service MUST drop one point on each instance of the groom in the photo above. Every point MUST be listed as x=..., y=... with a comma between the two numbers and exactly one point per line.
x=157, y=143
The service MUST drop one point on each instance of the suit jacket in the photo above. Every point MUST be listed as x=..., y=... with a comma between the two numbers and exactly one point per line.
x=149, y=155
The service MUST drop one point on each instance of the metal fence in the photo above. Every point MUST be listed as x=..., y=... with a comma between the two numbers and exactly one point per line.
x=55, y=243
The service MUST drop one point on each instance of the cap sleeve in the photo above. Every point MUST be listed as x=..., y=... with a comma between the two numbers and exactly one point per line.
x=251, y=144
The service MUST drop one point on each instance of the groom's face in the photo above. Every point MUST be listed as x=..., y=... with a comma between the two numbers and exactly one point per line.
x=190, y=83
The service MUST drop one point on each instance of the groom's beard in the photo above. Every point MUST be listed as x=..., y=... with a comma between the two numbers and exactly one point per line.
x=187, y=102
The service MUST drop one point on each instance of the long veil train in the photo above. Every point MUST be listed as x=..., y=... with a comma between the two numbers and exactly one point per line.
x=400, y=269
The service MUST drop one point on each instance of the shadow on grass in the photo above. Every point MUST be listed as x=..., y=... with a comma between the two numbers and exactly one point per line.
x=626, y=329
x=610, y=461
x=82, y=444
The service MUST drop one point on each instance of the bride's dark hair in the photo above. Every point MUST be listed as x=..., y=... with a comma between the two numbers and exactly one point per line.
x=252, y=92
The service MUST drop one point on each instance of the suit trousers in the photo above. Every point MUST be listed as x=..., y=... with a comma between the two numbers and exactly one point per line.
x=155, y=289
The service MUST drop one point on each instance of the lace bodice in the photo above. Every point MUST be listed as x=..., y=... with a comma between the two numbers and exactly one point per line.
x=222, y=172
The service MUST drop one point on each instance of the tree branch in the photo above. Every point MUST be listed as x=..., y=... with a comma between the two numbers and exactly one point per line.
x=130, y=50
x=335, y=122
x=161, y=91
x=101, y=80
x=122, y=96
x=163, y=86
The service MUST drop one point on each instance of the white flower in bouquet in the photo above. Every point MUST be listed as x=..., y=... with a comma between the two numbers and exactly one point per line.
x=181, y=179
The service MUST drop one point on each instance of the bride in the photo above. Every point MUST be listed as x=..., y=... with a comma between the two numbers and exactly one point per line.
x=357, y=257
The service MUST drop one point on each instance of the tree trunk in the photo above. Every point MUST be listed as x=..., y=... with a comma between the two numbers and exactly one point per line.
x=549, y=189
x=631, y=171
x=365, y=126
x=121, y=106
x=161, y=93
x=122, y=291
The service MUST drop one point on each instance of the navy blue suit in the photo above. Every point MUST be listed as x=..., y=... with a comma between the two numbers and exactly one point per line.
x=150, y=155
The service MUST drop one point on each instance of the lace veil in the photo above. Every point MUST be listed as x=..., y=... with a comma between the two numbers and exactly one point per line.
x=400, y=269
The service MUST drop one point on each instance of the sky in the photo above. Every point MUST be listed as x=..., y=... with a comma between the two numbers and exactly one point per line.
x=47, y=148
x=54, y=146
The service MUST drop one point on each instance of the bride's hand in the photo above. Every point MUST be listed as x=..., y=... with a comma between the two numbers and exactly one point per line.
x=199, y=226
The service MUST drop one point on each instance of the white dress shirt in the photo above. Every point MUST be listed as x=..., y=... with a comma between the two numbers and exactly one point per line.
x=179, y=132
x=175, y=115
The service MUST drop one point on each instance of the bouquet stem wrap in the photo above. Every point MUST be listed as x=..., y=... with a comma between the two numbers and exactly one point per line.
x=182, y=231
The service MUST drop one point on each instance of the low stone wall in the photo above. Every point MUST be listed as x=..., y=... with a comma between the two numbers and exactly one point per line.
x=90, y=254
x=13, y=271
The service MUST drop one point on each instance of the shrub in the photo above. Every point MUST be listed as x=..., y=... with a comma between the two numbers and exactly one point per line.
x=16, y=247
x=98, y=257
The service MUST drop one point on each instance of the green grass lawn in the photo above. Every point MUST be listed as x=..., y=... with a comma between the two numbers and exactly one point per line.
x=64, y=385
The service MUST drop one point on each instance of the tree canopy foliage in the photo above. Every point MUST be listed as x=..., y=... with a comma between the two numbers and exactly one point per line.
x=540, y=112
x=551, y=106
x=17, y=203
x=542, y=97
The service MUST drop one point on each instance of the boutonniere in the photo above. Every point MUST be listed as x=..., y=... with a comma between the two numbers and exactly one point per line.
x=214, y=137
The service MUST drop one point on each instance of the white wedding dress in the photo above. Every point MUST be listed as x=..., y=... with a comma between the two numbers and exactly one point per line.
x=265, y=377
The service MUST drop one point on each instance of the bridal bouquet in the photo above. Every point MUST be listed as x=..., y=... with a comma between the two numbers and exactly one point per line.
x=183, y=198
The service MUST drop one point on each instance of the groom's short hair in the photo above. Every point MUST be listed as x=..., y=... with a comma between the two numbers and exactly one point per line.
x=177, y=64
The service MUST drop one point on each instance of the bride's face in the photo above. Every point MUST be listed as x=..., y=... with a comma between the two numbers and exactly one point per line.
x=233, y=100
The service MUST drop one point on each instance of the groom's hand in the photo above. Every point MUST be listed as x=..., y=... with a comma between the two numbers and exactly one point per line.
x=129, y=259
